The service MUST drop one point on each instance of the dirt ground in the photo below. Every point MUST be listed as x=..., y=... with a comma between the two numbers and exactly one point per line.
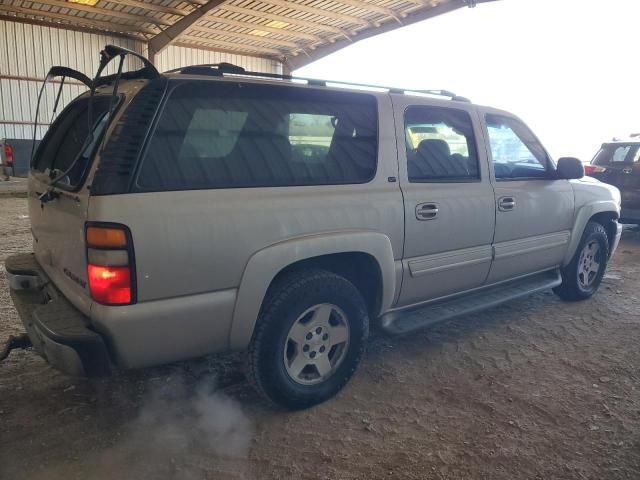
x=535, y=389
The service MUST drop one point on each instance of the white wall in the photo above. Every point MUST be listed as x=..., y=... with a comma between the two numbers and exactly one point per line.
x=28, y=51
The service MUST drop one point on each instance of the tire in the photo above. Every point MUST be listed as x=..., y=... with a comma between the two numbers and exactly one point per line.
x=302, y=313
x=593, y=250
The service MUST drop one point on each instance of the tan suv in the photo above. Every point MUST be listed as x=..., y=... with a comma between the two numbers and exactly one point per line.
x=213, y=209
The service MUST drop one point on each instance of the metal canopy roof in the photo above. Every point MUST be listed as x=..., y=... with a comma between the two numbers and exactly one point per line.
x=295, y=32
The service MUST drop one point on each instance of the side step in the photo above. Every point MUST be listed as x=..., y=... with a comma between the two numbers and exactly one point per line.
x=405, y=321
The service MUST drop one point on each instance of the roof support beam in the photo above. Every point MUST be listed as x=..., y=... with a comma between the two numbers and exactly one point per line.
x=104, y=11
x=372, y=7
x=171, y=34
x=67, y=26
x=153, y=7
x=283, y=18
x=299, y=7
x=257, y=26
x=98, y=25
x=246, y=36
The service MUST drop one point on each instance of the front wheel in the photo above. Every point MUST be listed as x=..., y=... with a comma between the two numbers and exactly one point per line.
x=308, y=340
x=582, y=276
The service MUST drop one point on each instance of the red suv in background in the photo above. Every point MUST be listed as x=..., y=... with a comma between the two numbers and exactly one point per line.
x=618, y=163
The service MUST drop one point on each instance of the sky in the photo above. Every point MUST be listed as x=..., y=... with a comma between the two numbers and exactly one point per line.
x=569, y=68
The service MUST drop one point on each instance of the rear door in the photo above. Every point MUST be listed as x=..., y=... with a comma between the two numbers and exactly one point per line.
x=58, y=211
x=534, y=210
x=448, y=199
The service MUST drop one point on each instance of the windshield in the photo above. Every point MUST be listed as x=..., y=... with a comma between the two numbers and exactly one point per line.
x=66, y=140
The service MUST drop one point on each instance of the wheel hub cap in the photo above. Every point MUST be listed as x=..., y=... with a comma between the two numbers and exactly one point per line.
x=589, y=264
x=316, y=344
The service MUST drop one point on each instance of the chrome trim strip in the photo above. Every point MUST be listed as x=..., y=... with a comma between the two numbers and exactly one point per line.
x=440, y=262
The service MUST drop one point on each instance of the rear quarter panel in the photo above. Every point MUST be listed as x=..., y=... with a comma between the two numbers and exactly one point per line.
x=196, y=242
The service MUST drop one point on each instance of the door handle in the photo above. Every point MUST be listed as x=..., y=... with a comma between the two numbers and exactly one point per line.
x=627, y=170
x=506, y=204
x=426, y=211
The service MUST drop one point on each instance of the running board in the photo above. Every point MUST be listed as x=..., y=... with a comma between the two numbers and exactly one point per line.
x=405, y=321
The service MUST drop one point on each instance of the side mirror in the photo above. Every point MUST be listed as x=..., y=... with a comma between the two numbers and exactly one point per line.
x=570, y=168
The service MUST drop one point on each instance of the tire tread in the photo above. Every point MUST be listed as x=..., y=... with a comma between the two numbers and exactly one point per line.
x=277, y=295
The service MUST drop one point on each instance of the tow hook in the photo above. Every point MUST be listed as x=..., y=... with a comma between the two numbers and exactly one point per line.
x=21, y=341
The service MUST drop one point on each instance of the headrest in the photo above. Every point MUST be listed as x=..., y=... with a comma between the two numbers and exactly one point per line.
x=435, y=147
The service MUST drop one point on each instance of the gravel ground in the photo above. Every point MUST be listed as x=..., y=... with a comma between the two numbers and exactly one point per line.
x=535, y=389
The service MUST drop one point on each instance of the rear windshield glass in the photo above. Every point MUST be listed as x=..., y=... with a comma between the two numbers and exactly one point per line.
x=224, y=135
x=66, y=138
x=616, y=153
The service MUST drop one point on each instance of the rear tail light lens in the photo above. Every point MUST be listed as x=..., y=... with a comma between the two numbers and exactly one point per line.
x=110, y=267
x=8, y=153
x=110, y=285
x=589, y=169
x=106, y=237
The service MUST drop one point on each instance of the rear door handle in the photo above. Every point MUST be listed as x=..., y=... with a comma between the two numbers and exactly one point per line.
x=627, y=170
x=426, y=211
x=506, y=204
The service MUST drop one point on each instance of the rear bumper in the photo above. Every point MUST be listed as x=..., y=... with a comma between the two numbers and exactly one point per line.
x=58, y=331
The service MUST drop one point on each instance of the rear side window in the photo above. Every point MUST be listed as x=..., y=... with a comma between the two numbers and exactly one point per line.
x=615, y=153
x=441, y=146
x=226, y=135
x=67, y=138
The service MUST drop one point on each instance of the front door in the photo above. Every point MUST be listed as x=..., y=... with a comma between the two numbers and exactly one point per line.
x=534, y=210
x=448, y=199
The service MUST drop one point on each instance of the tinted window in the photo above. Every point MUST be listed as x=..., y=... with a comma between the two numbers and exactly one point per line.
x=515, y=151
x=615, y=153
x=222, y=135
x=67, y=139
x=440, y=145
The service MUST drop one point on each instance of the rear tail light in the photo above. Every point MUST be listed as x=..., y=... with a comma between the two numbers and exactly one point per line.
x=110, y=285
x=110, y=264
x=106, y=237
x=589, y=169
x=8, y=153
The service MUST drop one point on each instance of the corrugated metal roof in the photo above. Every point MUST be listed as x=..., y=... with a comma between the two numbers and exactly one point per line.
x=293, y=31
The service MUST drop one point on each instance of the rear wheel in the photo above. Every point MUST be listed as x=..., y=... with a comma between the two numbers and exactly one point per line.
x=582, y=276
x=309, y=339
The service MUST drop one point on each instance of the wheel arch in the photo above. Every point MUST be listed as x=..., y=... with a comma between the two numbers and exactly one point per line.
x=603, y=212
x=364, y=258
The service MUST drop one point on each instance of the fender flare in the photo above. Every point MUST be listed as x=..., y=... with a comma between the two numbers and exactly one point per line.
x=265, y=264
x=583, y=216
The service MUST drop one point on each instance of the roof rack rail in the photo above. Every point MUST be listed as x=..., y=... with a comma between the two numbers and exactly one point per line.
x=222, y=69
